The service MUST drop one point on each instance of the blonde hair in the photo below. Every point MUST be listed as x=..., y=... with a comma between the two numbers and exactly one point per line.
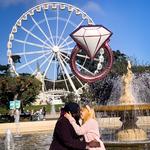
x=91, y=112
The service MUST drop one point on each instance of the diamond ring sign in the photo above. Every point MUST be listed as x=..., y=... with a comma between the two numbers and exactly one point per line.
x=92, y=44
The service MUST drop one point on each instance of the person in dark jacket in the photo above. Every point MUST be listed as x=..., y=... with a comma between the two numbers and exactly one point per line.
x=65, y=137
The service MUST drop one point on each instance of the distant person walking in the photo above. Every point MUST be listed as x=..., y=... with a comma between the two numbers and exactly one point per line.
x=44, y=111
x=41, y=116
x=17, y=116
x=11, y=113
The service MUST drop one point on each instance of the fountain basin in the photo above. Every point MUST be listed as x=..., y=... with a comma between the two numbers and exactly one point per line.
x=44, y=139
x=140, y=145
x=127, y=107
x=131, y=135
x=129, y=130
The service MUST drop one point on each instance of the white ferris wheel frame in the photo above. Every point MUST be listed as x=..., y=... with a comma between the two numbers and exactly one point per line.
x=52, y=44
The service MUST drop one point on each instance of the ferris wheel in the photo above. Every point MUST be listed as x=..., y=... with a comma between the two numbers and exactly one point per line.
x=40, y=41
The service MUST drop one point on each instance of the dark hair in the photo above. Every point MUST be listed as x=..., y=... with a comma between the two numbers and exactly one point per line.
x=62, y=112
x=74, y=109
x=71, y=107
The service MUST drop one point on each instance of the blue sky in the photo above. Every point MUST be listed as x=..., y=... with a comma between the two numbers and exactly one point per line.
x=129, y=20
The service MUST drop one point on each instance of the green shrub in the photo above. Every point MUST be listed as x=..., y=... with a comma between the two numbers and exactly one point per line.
x=4, y=110
x=38, y=107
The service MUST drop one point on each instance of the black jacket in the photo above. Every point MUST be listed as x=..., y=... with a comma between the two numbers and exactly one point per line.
x=65, y=138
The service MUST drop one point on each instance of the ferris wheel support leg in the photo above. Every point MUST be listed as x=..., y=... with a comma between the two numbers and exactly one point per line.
x=68, y=76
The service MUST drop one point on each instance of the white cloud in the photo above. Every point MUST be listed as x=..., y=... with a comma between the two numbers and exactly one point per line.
x=29, y=3
x=41, y=1
x=91, y=6
x=6, y=3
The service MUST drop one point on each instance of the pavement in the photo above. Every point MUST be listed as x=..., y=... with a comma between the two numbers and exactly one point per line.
x=47, y=124
x=28, y=127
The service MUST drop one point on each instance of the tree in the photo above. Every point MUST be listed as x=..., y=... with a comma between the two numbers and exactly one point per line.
x=119, y=64
x=4, y=69
x=16, y=58
x=69, y=98
x=25, y=87
x=138, y=69
x=88, y=95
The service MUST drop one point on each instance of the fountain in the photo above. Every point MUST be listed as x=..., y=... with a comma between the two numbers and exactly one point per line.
x=9, y=140
x=129, y=111
x=53, y=111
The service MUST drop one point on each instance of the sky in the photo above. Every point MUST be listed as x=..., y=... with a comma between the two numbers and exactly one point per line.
x=129, y=20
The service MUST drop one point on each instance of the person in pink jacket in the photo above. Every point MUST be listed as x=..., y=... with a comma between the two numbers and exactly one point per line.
x=89, y=128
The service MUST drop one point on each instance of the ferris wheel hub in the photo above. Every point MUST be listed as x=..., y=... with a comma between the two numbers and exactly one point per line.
x=55, y=49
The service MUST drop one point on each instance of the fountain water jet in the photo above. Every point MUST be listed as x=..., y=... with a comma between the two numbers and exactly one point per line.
x=17, y=123
x=9, y=141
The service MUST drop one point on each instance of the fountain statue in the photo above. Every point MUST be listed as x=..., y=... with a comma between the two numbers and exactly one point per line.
x=127, y=97
x=9, y=141
x=128, y=110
